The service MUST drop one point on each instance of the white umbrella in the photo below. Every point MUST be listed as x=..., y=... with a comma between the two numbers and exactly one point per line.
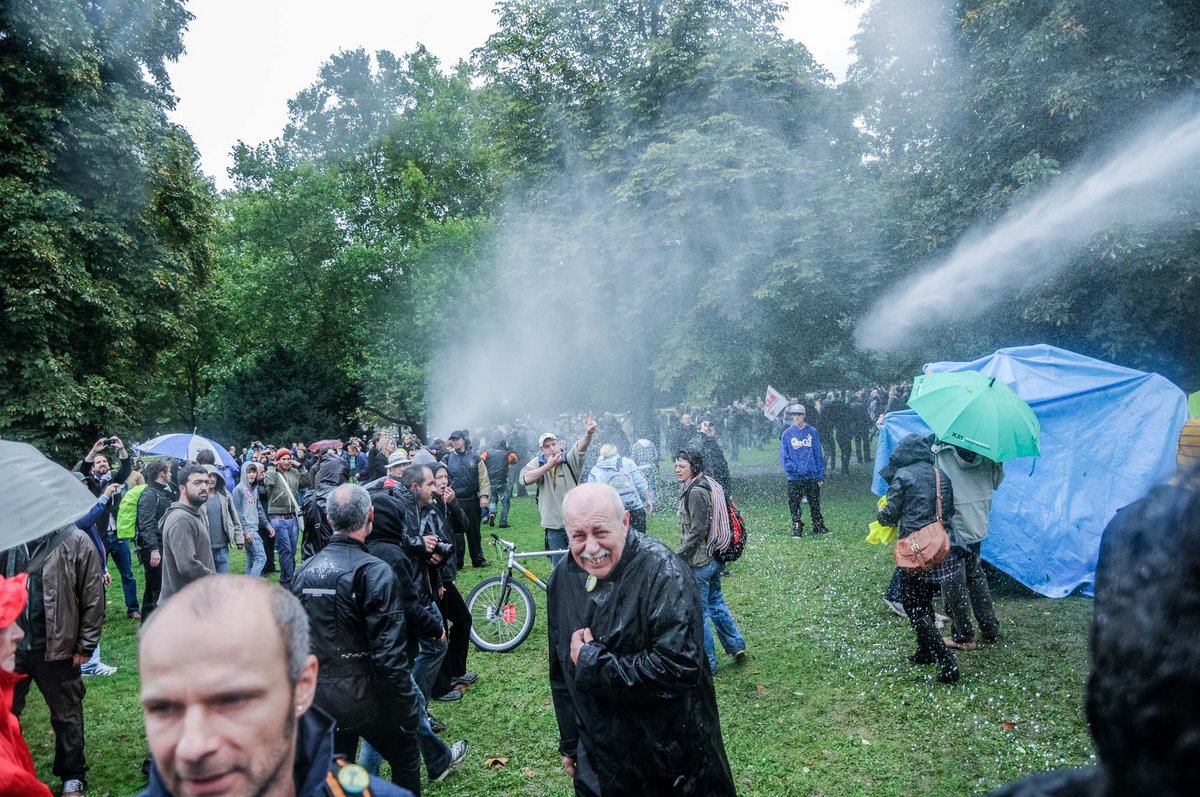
x=185, y=447
x=37, y=495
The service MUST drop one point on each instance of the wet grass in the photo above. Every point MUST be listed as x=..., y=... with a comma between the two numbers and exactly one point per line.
x=826, y=704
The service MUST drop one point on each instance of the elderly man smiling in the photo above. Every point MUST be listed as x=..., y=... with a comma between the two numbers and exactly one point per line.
x=627, y=664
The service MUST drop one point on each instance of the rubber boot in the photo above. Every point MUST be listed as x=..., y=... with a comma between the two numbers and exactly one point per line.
x=797, y=528
x=929, y=640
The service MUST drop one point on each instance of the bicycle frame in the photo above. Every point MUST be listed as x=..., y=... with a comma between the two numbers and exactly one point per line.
x=514, y=555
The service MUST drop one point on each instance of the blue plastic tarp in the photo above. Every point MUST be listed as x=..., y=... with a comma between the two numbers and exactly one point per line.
x=1108, y=435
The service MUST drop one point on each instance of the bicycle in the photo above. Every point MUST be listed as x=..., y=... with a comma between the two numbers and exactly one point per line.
x=502, y=608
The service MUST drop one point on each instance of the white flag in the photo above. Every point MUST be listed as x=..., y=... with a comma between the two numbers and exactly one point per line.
x=774, y=403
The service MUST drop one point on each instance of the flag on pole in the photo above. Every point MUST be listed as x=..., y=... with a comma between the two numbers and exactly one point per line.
x=774, y=403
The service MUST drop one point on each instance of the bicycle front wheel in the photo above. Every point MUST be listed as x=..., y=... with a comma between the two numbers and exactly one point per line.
x=501, y=614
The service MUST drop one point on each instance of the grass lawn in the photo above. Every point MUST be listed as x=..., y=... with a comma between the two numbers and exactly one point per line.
x=826, y=704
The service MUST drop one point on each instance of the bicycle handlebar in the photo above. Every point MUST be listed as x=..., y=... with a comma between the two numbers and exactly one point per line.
x=512, y=546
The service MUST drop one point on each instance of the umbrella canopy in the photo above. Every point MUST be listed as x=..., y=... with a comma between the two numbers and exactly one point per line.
x=977, y=413
x=321, y=445
x=185, y=447
x=38, y=495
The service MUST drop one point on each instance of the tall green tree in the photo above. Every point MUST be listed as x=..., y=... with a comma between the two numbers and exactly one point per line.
x=106, y=218
x=977, y=105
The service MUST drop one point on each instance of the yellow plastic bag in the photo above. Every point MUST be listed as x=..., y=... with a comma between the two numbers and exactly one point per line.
x=881, y=535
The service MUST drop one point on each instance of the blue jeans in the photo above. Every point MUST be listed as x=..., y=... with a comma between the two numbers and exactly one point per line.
x=433, y=749
x=118, y=549
x=556, y=540
x=708, y=581
x=221, y=559
x=287, y=534
x=504, y=500
x=256, y=555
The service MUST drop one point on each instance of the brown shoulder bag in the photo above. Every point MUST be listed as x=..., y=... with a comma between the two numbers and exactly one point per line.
x=928, y=546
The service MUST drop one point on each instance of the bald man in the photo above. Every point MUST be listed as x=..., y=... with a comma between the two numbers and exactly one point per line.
x=227, y=692
x=627, y=662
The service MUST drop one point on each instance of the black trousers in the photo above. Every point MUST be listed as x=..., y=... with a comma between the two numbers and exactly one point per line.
x=637, y=520
x=153, y=582
x=398, y=748
x=474, y=516
x=859, y=438
x=61, y=684
x=269, y=550
x=798, y=490
x=458, y=639
x=917, y=597
x=843, y=444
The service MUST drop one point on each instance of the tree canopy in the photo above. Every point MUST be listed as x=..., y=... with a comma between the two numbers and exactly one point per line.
x=617, y=203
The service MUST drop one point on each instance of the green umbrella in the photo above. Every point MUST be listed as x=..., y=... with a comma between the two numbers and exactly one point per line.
x=978, y=413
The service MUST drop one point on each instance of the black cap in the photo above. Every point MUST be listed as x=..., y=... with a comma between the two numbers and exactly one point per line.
x=457, y=434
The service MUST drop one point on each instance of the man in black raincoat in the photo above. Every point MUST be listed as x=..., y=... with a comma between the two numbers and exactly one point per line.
x=636, y=709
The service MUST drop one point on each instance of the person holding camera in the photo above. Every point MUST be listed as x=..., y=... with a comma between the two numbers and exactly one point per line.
x=98, y=474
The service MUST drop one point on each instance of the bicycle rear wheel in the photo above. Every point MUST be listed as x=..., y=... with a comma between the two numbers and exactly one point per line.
x=501, y=614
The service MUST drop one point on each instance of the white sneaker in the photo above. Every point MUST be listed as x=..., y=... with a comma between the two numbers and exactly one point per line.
x=897, y=607
x=72, y=788
x=458, y=751
x=99, y=668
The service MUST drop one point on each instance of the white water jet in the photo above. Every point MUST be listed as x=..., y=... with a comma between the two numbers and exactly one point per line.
x=1139, y=183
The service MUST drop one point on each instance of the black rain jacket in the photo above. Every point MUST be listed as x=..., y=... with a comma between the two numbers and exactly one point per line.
x=396, y=539
x=640, y=701
x=912, y=490
x=358, y=635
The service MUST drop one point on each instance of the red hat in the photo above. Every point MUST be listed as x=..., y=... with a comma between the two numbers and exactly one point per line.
x=13, y=594
x=282, y=452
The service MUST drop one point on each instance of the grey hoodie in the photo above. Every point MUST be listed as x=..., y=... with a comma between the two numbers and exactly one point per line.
x=249, y=509
x=974, y=483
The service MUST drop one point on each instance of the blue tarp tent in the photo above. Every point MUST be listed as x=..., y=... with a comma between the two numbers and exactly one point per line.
x=1108, y=435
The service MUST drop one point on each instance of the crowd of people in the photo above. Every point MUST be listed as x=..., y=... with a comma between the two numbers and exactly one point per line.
x=367, y=540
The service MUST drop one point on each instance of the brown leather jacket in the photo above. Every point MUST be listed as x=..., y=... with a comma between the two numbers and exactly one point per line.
x=73, y=595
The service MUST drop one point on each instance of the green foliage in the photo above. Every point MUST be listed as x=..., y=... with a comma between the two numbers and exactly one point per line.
x=344, y=237
x=970, y=107
x=107, y=220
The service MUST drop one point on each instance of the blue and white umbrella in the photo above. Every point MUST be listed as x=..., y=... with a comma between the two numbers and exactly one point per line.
x=185, y=447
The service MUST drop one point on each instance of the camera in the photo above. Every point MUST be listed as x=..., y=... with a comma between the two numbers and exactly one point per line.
x=442, y=549
x=110, y=441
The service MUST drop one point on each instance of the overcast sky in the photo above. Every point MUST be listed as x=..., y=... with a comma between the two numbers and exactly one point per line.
x=245, y=60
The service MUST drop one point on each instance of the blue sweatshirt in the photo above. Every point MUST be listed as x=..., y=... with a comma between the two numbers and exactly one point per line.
x=800, y=453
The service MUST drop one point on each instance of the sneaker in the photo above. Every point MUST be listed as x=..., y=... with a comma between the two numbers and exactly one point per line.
x=458, y=751
x=99, y=668
x=505, y=526
x=897, y=607
x=481, y=563
x=449, y=697
x=435, y=724
x=135, y=615
x=740, y=657
x=467, y=679
x=72, y=788
x=822, y=530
